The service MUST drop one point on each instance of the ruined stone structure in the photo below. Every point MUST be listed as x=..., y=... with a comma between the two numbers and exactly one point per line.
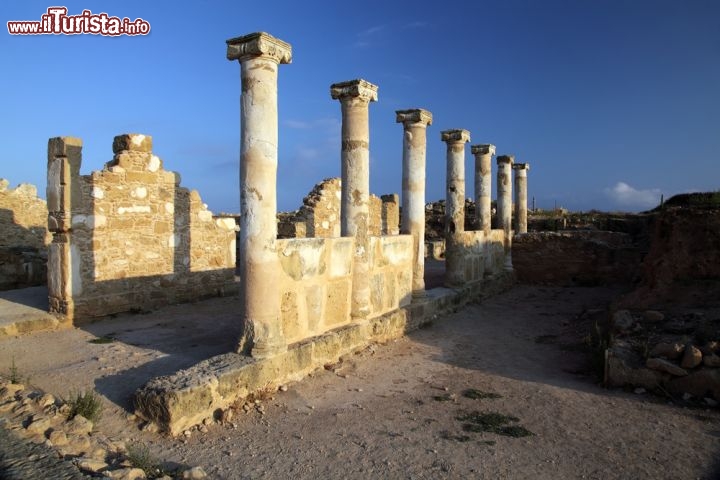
x=129, y=237
x=307, y=301
x=521, y=196
x=319, y=215
x=24, y=239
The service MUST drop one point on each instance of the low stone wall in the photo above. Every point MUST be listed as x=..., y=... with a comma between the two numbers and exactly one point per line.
x=130, y=237
x=315, y=285
x=186, y=398
x=473, y=254
x=575, y=258
x=24, y=237
x=391, y=273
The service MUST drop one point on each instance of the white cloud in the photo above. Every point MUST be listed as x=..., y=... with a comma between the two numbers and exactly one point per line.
x=627, y=196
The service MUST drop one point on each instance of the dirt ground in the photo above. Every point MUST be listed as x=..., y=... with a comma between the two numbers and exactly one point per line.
x=391, y=411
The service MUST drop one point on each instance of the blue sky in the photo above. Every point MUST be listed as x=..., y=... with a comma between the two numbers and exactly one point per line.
x=611, y=102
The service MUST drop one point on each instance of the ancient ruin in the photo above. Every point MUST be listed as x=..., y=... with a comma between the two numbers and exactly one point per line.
x=346, y=269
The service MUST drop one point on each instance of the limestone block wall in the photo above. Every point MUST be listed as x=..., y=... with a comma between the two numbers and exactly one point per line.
x=23, y=236
x=478, y=253
x=130, y=237
x=319, y=215
x=390, y=273
x=315, y=285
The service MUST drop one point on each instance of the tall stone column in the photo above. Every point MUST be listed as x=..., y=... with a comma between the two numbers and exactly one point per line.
x=521, y=210
x=259, y=55
x=454, y=203
x=415, y=123
x=483, y=180
x=504, y=203
x=355, y=97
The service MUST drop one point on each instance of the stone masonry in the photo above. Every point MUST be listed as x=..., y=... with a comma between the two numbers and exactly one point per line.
x=24, y=238
x=129, y=238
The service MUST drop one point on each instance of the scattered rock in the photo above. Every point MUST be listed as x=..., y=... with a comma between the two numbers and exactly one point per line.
x=195, y=473
x=203, y=429
x=77, y=445
x=640, y=391
x=150, y=427
x=701, y=383
x=46, y=400
x=653, y=316
x=187, y=433
x=283, y=388
x=686, y=397
x=622, y=321
x=41, y=425
x=664, y=366
x=58, y=438
x=126, y=474
x=208, y=421
x=692, y=357
x=227, y=415
x=670, y=351
x=711, y=360
x=79, y=425
x=91, y=465
x=9, y=391
x=710, y=402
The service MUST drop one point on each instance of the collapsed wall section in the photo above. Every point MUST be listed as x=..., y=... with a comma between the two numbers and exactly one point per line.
x=24, y=238
x=129, y=237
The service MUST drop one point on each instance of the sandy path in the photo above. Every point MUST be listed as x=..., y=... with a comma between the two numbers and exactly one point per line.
x=379, y=415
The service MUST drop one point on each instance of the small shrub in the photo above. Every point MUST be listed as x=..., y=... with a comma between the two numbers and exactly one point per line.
x=89, y=405
x=14, y=374
x=493, y=422
x=101, y=340
x=479, y=395
x=140, y=457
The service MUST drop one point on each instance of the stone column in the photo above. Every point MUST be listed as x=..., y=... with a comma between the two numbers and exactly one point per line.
x=415, y=123
x=454, y=203
x=259, y=55
x=355, y=97
x=63, y=170
x=521, y=170
x=483, y=180
x=504, y=203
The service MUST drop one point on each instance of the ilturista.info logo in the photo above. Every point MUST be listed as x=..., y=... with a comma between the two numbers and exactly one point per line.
x=57, y=22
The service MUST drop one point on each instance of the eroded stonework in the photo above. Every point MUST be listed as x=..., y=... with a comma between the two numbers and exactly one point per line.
x=24, y=238
x=130, y=237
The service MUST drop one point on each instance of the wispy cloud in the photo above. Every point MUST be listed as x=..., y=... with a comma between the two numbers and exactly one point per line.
x=366, y=37
x=627, y=196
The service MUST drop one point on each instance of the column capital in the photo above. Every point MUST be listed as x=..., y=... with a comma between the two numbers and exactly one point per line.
x=483, y=149
x=259, y=44
x=415, y=115
x=354, y=88
x=455, y=136
x=505, y=159
x=521, y=166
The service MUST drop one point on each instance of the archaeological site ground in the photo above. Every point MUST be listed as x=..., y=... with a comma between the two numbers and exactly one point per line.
x=359, y=336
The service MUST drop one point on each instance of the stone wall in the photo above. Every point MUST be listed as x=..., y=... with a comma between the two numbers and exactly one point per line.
x=129, y=237
x=23, y=237
x=477, y=254
x=575, y=258
x=315, y=285
x=319, y=215
x=316, y=281
x=390, y=272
